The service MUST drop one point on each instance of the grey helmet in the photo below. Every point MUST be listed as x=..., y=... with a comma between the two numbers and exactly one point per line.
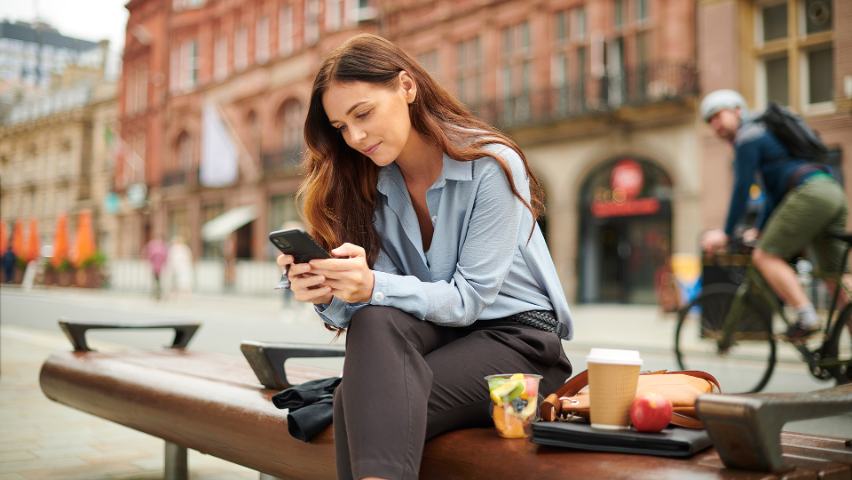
x=720, y=100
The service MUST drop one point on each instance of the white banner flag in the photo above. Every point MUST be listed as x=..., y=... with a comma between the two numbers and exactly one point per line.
x=218, y=151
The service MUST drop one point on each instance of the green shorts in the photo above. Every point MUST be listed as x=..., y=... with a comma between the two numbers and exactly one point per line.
x=804, y=218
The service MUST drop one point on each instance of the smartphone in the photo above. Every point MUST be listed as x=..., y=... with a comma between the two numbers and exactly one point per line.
x=299, y=244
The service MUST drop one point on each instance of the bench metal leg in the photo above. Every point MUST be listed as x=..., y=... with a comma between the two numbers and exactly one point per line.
x=176, y=463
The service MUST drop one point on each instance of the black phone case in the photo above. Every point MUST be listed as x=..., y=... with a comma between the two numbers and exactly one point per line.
x=299, y=244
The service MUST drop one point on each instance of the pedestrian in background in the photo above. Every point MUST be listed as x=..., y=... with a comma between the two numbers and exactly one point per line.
x=157, y=253
x=179, y=267
x=438, y=262
x=9, y=259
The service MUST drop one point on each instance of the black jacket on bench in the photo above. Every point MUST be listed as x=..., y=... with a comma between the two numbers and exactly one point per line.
x=310, y=407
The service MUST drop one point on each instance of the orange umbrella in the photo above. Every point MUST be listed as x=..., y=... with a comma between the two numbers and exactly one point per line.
x=85, y=241
x=18, y=238
x=60, y=241
x=4, y=237
x=33, y=242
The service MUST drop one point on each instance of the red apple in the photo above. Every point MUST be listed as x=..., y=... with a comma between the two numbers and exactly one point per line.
x=650, y=412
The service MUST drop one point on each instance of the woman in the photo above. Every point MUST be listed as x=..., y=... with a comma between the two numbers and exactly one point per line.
x=441, y=275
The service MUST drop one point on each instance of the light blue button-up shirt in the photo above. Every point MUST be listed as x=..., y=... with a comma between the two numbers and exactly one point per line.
x=480, y=264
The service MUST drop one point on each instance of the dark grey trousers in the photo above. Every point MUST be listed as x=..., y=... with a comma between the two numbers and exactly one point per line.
x=406, y=380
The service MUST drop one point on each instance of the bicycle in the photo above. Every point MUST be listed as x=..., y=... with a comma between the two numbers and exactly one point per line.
x=730, y=326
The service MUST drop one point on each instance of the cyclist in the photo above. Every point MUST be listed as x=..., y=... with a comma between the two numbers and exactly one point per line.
x=803, y=203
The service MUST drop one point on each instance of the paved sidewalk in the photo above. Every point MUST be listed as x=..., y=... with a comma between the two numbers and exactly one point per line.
x=41, y=439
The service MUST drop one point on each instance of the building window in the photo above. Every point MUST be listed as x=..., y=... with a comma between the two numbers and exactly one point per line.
x=292, y=122
x=261, y=40
x=579, y=23
x=186, y=4
x=285, y=30
x=220, y=58
x=241, y=49
x=138, y=94
x=516, y=73
x=209, y=212
x=138, y=152
x=618, y=13
x=567, y=75
x=184, y=67
x=191, y=57
x=560, y=26
x=312, y=13
x=183, y=152
x=820, y=74
x=641, y=10
x=255, y=140
x=795, y=68
x=470, y=72
x=777, y=81
x=356, y=11
x=333, y=15
x=774, y=24
x=429, y=62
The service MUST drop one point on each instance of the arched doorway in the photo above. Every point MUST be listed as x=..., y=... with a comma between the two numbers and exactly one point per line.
x=625, y=231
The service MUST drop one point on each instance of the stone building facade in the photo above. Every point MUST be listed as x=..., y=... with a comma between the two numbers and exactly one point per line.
x=56, y=158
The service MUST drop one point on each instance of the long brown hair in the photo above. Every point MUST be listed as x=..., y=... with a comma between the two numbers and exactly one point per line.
x=339, y=191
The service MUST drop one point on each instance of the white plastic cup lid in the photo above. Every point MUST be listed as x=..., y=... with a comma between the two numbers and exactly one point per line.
x=614, y=356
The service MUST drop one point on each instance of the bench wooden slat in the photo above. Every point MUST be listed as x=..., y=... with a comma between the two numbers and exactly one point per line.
x=212, y=403
x=228, y=420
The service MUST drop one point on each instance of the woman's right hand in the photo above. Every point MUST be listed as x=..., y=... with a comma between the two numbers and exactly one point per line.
x=306, y=286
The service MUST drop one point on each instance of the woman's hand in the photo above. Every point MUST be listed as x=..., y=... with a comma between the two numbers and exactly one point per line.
x=348, y=275
x=306, y=285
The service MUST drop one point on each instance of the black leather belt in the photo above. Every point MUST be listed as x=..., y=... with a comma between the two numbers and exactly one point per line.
x=804, y=172
x=541, y=319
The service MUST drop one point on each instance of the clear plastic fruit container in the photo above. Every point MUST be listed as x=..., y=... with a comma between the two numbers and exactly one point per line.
x=514, y=402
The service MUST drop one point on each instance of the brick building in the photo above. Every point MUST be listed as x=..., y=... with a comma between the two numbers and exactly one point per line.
x=250, y=63
x=600, y=94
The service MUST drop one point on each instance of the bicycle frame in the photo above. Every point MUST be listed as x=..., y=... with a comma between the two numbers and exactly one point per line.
x=761, y=288
x=754, y=284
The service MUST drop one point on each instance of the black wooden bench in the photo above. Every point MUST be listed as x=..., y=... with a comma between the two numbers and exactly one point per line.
x=220, y=405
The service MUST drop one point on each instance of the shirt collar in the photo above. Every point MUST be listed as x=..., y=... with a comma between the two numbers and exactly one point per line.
x=452, y=170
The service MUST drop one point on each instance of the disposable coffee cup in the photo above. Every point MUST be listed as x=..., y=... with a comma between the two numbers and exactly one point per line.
x=613, y=375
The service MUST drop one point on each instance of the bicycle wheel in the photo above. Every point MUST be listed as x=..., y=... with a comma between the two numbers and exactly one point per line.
x=748, y=364
x=838, y=349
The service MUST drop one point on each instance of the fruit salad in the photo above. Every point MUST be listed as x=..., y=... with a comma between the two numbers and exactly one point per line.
x=514, y=399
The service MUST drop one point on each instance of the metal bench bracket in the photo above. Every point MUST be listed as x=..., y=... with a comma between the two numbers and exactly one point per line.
x=267, y=359
x=76, y=331
x=746, y=429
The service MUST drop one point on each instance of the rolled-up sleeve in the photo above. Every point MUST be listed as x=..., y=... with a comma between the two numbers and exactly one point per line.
x=484, y=260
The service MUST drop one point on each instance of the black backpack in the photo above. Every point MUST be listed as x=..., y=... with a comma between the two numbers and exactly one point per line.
x=794, y=134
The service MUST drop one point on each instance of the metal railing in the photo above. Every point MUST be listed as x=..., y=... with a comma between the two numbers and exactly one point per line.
x=285, y=160
x=180, y=176
x=641, y=85
x=251, y=277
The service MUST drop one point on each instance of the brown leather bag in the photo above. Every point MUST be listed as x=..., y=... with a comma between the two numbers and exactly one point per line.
x=682, y=388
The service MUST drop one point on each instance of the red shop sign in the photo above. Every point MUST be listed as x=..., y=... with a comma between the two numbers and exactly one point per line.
x=627, y=179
